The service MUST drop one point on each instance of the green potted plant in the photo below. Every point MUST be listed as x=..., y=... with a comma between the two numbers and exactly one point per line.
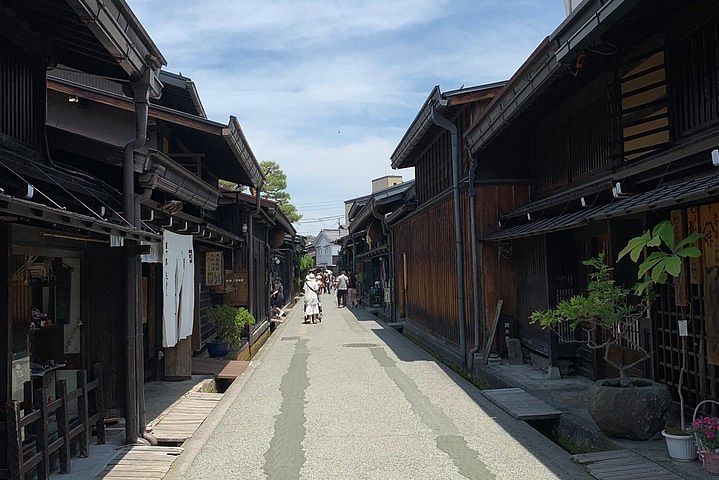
x=662, y=260
x=621, y=407
x=229, y=322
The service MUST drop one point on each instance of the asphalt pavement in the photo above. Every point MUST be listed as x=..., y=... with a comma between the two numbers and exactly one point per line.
x=348, y=398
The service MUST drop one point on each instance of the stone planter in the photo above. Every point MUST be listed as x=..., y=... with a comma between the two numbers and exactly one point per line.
x=632, y=408
x=680, y=447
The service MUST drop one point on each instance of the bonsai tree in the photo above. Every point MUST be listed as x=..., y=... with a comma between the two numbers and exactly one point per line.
x=662, y=260
x=605, y=308
x=230, y=322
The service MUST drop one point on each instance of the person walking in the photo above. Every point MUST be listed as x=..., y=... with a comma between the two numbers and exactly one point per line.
x=342, y=281
x=312, y=302
x=352, y=290
x=278, y=298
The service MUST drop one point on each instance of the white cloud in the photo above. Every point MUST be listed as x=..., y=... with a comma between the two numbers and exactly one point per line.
x=328, y=88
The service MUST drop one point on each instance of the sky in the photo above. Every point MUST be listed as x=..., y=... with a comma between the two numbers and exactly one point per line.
x=328, y=88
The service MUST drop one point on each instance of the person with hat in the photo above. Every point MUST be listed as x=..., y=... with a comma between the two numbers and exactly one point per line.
x=312, y=303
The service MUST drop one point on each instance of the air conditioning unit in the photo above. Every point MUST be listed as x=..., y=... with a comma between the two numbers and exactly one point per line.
x=570, y=5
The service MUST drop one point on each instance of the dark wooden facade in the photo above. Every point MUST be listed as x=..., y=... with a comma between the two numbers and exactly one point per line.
x=620, y=138
x=63, y=311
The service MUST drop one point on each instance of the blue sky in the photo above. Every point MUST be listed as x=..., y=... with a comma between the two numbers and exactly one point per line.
x=327, y=88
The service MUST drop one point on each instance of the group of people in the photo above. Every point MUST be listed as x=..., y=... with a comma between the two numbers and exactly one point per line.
x=325, y=282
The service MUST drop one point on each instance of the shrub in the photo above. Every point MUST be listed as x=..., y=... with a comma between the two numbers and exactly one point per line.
x=230, y=322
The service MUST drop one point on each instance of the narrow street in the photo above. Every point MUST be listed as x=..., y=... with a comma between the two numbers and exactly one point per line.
x=348, y=398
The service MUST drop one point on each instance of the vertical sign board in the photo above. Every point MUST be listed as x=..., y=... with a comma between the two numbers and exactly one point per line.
x=709, y=218
x=214, y=269
x=695, y=264
x=680, y=283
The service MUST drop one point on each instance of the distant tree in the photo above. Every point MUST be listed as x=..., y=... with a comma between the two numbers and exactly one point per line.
x=275, y=189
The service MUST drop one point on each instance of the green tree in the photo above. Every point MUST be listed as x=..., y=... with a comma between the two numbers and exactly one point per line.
x=275, y=189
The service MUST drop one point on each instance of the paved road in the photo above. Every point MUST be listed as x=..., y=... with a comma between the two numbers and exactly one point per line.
x=349, y=399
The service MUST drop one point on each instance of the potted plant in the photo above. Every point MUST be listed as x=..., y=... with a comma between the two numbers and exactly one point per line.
x=247, y=320
x=662, y=260
x=622, y=407
x=706, y=432
x=229, y=323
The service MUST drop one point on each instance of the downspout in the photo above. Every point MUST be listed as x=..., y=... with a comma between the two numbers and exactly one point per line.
x=477, y=302
x=141, y=95
x=251, y=287
x=443, y=122
x=141, y=198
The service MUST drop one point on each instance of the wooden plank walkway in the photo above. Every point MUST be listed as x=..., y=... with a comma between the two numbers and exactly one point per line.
x=221, y=369
x=140, y=463
x=623, y=465
x=184, y=418
x=521, y=405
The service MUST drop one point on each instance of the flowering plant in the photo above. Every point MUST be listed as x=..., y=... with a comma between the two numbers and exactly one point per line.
x=707, y=431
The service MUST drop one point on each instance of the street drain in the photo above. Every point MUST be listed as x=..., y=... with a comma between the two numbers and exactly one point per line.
x=360, y=345
x=287, y=339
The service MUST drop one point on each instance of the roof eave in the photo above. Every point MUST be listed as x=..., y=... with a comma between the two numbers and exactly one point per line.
x=419, y=126
x=130, y=44
x=534, y=76
x=237, y=142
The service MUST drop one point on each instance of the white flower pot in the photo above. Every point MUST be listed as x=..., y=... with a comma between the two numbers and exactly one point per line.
x=681, y=447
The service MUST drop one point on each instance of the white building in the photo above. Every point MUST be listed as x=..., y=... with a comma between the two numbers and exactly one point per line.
x=326, y=251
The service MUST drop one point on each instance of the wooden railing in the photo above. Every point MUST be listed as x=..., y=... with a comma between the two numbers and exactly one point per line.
x=30, y=444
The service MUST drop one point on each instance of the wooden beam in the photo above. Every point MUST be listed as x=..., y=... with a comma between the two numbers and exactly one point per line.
x=127, y=105
x=481, y=96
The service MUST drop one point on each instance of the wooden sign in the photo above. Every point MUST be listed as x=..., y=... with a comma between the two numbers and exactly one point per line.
x=709, y=218
x=214, y=269
x=695, y=264
x=680, y=282
x=237, y=288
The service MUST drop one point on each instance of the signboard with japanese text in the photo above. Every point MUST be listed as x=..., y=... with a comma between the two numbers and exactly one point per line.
x=214, y=269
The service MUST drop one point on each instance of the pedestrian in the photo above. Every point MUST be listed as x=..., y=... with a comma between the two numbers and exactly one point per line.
x=277, y=298
x=352, y=290
x=320, y=284
x=312, y=302
x=342, y=281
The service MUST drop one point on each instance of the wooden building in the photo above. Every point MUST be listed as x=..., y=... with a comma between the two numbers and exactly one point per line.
x=64, y=287
x=613, y=122
x=266, y=229
x=434, y=274
x=368, y=246
x=178, y=173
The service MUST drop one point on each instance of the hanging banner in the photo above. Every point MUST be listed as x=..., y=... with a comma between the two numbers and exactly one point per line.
x=214, y=269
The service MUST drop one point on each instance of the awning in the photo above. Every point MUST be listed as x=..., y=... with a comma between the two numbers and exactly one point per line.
x=545, y=225
x=374, y=253
x=39, y=212
x=166, y=175
x=665, y=196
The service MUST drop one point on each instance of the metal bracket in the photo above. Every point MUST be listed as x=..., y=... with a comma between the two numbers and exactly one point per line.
x=185, y=228
x=152, y=217
x=169, y=224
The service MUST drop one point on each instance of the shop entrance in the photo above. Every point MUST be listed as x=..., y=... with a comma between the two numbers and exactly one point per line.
x=46, y=315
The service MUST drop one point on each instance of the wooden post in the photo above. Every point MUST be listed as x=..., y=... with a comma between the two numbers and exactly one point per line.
x=709, y=216
x=490, y=340
x=5, y=346
x=82, y=413
x=99, y=405
x=14, y=434
x=41, y=434
x=63, y=425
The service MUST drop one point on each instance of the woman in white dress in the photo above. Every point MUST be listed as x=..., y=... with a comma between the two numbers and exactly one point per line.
x=312, y=303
